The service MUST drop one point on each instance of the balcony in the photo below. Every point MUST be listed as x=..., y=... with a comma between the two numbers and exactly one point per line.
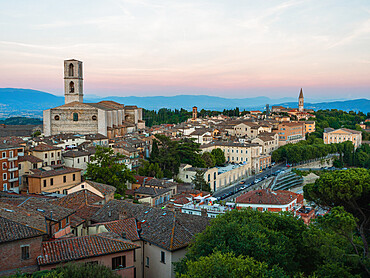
x=13, y=169
x=12, y=158
x=13, y=179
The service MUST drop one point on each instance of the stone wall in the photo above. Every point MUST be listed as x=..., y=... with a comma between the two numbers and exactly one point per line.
x=65, y=124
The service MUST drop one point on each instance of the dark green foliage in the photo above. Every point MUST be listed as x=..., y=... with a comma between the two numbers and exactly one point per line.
x=219, y=156
x=285, y=244
x=219, y=265
x=199, y=182
x=209, y=159
x=165, y=116
x=106, y=167
x=73, y=270
x=81, y=270
x=303, y=151
x=170, y=154
x=21, y=121
x=337, y=118
x=267, y=237
x=150, y=170
x=347, y=193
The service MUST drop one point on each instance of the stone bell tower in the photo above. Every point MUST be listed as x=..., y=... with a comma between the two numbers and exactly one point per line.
x=73, y=81
x=300, y=101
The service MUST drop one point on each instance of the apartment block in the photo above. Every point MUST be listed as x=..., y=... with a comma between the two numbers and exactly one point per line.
x=290, y=132
x=9, y=173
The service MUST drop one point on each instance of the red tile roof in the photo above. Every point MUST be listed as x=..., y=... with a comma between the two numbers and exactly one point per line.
x=30, y=158
x=76, y=248
x=140, y=179
x=44, y=147
x=11, y=230
x=56, y=171
x=267, y=197
x=127, y=226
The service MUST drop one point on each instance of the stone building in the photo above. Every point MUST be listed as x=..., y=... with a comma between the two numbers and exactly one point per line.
x=341, y=135
x=108, y=118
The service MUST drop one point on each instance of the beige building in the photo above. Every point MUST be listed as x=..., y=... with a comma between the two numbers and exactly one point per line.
x=56, y=179
x=247, y=129
x=108, y=118
x=76, y=159
x=50, y=155
x=217, y=177
x=268, y=141
x=290, y=133
x=309, y=126
x=342, y=135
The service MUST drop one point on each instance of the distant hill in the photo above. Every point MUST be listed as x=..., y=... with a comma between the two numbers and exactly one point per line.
x=361, y=104
x=21, y=121
x=31, y=103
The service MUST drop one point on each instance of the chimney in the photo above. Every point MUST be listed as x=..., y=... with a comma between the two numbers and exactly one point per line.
x=138, y=224
x=122, y=215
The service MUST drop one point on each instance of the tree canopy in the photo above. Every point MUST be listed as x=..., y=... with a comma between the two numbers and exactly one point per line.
x=199, y=182
x=107, y=167
x=347, y=194
x=279, y=240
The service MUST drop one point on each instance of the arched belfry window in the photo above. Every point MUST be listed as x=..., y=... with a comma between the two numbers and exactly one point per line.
x=75, y=117
x=71, y=87
x=70, y=72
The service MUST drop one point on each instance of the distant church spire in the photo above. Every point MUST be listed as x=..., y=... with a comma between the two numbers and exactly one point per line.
x=300, y=101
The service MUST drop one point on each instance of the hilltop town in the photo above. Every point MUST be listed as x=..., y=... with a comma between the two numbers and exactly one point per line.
x=95, y=184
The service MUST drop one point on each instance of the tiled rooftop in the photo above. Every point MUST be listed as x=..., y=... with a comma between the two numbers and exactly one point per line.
x=268, y=197
x=124, y=227
x=167, y=229
x=76, y=248
x=11, y=230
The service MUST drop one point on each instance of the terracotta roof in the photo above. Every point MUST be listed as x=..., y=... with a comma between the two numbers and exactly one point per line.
x=76, y=248
x=46, y=208
x=268, y=197
x=30, y=158
x=96, y=136
x=141, y=179
x=151, y=191
x=23, y=216
x=76, y=199
x=161, y=183
x=45, y=147
x=8, y=146
x=83, y=203
x=124, y=227
x=11, y=230
x=56, y=171
x=75, y=154
x=166, y=229
x=105, y=189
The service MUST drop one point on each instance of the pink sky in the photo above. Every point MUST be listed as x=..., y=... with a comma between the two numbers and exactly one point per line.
x=227, y=48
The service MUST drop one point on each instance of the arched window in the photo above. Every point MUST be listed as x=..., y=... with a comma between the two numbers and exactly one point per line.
x=214, y=175
x=56, y=118
x=70, y=71
x=71, y=87
x=80, y=70
x=75, y=117
x=209, y=177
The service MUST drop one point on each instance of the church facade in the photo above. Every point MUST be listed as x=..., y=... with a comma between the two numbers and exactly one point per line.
x=108, y=118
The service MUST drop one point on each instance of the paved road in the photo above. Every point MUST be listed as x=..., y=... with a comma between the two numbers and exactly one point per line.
x=235, y=186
